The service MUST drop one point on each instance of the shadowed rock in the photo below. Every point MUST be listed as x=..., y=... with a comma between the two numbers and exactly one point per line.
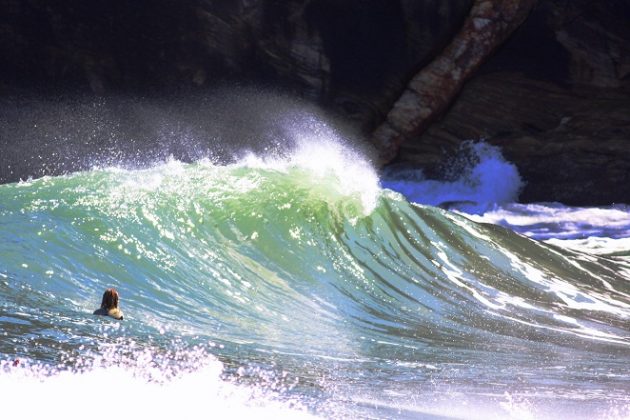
x=433, y=88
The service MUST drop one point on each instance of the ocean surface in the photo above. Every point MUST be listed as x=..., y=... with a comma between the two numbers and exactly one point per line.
x=307, y=285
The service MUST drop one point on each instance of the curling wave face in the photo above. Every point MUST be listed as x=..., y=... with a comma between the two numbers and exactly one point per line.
x=362, y=297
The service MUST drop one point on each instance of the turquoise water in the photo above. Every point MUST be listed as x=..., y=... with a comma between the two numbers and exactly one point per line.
x=298, y=287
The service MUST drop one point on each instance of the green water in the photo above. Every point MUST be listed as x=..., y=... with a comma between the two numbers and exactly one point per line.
x=357, y=302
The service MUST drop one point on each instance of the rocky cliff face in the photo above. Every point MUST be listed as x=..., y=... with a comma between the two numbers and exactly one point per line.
x=353, y=56
x=556, y=98
x=556, y=92
x=433, y=88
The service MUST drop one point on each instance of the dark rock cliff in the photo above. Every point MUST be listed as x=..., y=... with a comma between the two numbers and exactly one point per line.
x=353, y=56
x=555, y=96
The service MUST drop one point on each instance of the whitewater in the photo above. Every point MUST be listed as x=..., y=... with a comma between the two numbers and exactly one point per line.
x=304, y=284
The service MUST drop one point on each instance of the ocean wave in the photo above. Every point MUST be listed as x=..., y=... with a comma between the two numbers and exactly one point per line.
x=287, y=265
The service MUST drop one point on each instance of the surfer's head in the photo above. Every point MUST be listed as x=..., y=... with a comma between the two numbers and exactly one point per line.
x=110, y=299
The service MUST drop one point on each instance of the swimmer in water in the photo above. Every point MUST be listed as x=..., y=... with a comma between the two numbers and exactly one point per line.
x=109, y=305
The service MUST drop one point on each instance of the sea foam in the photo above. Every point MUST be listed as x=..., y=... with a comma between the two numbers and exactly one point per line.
x=479, y=178
x=136, y=390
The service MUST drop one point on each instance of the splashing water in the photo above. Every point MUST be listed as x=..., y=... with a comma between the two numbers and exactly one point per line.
x=486, y=189
x=139, y=387
x=483, y=179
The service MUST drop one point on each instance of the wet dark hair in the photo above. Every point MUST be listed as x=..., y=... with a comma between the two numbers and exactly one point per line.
x=110, y=299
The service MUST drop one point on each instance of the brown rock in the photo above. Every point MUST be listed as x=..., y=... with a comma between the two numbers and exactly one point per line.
x=433, y=88
x=569, y=147
x=556, y=99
